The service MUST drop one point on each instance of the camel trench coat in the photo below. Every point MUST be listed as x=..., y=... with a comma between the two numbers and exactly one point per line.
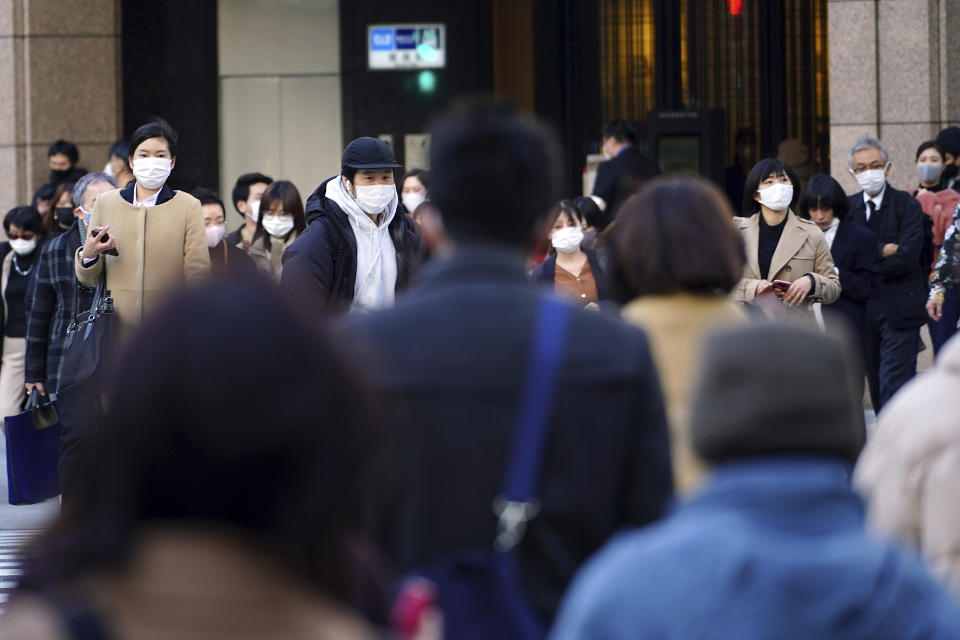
x=802, y=249
x=160, y=247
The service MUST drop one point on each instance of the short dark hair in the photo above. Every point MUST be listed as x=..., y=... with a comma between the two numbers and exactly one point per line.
x=676, y=235
x=420, y=174
x=478, y=145
x=349, y=173
x=620, y=130
x=234, y=459
x=66, y=148
x=591, y=213
x=119, y=149
x=241, y=188
x=156, y=128
x=760, y=172
x=949, y=140
x=27, y=218
x=559, y=208
x=208, y=196
x=929, y=144
x=286, y=193
x=823, y=192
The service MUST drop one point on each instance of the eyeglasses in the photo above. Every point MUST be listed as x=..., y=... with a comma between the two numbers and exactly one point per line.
x=18, y=236
x=873, y=167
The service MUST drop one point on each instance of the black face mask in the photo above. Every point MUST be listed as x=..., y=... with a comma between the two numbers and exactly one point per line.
x=59, y=175
x=65, y=216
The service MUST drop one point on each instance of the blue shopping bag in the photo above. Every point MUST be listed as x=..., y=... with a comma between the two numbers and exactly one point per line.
x=33, y=444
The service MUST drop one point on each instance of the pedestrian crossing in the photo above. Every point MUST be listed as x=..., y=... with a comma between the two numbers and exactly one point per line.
x=11, y=560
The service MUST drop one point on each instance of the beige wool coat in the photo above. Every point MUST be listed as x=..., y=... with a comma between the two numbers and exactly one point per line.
x=802, y=249
x=909, y=472
x=160, y=247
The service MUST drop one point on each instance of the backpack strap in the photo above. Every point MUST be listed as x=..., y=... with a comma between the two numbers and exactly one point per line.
x=518, y=504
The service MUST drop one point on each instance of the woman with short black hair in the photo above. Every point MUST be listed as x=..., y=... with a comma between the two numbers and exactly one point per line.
x=157, y=233
x=677, y=256
x=18, y=256
x=854, y=250
x=781, y=246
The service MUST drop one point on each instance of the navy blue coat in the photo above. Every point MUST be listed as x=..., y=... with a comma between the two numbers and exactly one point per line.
x=902, y=295
x=855, y=253
x=771, y=548
x=545, y=271
x=452, y=355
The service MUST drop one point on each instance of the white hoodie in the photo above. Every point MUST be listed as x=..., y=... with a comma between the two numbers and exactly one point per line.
x=376, y=281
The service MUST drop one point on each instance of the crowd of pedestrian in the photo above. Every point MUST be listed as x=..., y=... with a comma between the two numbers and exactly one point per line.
x=399, y=407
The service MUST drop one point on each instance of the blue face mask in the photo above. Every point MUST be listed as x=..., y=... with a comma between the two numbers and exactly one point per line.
x=87, y=215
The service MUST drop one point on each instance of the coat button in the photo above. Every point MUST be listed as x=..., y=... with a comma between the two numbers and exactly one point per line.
x=787, y=268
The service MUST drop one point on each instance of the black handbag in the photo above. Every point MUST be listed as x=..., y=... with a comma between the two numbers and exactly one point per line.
x=88, y=342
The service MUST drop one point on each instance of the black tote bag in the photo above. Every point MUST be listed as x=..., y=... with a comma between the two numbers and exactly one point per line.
x=87, y=345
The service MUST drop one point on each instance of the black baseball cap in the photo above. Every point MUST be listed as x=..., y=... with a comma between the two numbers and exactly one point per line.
x=368, y=153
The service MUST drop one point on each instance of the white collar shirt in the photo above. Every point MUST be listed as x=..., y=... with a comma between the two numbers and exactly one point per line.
x=149, y=202
x=877, y=200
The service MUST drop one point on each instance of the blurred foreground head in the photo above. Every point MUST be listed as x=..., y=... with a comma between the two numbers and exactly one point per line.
x=229, y=413
x=494, y=173
x=776, y=389
x=676, y=236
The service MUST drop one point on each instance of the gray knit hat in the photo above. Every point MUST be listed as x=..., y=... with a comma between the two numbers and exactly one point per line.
x=776, y=389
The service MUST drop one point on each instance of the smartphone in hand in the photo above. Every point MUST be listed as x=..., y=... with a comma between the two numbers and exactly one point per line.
x=780, y=287
x=105, y=238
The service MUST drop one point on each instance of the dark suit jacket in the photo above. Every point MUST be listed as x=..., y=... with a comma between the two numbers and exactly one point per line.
x=621, y=176
x=453, y=354
x=902, y=295
x=855, y=253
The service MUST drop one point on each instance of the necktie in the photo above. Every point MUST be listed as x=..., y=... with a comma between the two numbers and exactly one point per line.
x=872, y=209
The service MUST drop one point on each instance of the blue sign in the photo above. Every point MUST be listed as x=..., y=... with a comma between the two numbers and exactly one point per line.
x=406, y=38
x=381, y=39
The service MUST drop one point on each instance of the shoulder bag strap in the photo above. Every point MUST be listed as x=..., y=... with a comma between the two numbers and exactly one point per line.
x=518, y=503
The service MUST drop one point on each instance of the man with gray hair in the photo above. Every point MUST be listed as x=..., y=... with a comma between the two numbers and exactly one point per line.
x=896, y=312
x=51, y=303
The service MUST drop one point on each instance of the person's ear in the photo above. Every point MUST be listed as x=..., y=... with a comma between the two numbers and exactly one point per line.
x=887, y=172
x=78, y=213
x=173, y=162
x=756, y=196
x=241, y=205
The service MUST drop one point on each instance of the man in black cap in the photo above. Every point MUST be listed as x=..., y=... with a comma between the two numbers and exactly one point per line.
x=949, y=142
x=774, y=546
x=357, y=250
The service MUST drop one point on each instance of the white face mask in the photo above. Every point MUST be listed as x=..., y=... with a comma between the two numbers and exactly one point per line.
x=23, y=247
x=215, y=234
x=872, y=180
x=151, y=173
x=108, y=169
x=776, y=197
x=278, y=227
x=413, y=200
x=567, y=240
x=254, y=212
x=929, y=172
x=374, y=198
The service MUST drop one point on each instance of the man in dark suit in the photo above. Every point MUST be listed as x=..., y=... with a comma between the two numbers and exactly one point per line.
x=454, y=352
x=894, y=316
x=624, y=172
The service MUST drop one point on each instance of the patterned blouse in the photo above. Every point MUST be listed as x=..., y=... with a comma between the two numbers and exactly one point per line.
x=946, y=273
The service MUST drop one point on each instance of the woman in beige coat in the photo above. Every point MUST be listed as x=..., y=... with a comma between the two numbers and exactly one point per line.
x=780, y=246
x=909, y=472
x=281, y=221
x=158, y=234
x=677, y=256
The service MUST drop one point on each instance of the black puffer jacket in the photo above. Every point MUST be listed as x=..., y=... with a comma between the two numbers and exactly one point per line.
x=320, y=267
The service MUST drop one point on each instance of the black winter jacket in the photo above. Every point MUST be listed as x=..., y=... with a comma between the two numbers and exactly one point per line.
x=320, y=267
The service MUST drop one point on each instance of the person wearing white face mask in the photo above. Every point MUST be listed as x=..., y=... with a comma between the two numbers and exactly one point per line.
x=281, y=221
x=225, y=258
x=18, y=256
x=356, y=252
x=572, y=272
x=156, y=235
x=781, y=246
x=246, y=194
x=894, y=317
x=414, y=189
